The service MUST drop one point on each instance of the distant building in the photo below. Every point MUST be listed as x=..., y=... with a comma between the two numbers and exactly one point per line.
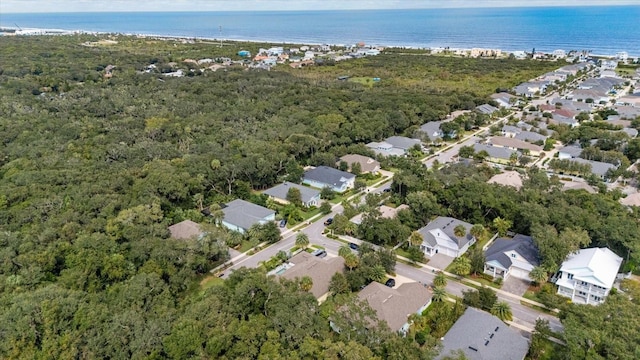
x=367, y=164
x=240, y=215
x=482, y=336
x=588, y=275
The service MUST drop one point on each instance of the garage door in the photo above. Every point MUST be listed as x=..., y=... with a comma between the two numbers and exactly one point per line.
x=519, y=273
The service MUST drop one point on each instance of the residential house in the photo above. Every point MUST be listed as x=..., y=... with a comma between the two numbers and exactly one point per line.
x=531, y=88
x=431, y=133
x=386, y=212
x=401, y=142
x=510, y=131
x=367, y=164
x=631, y=200
x=515, y=144
x=500, y=155
x=486, y=109
x=438, y=237
x=185, y=230
x=530, y=136
x=511, y=257
x=598, y=168
x=482, y=336
x=569, y=152
x=588, y=275
x=324, y=176
x=394, y=146
x=310, y=197
x=507, y=178
x=503, y=99
x=240, y=215
x=394, y=306
x=320, y=270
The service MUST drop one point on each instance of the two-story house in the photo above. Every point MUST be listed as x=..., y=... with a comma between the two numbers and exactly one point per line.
x=588, y=275
x=447, y=236
x=511, y=257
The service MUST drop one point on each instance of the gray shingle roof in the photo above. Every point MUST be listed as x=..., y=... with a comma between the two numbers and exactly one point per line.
x=327, y=175
x=571, y=150
x=530, y=136
x=395, y=305
x=446, y=225
x=494, y=151
x=522, y=244
x=431, y=130
x=367, y=164
x=402, y=142
x=280, y=191
x=597, y=167
x=245, y=214
x=486, y=109
x=482, y=336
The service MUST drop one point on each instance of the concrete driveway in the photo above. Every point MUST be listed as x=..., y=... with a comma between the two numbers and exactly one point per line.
x=440, y=261
x=515, y=286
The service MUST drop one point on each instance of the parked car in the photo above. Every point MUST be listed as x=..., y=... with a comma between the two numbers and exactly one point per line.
x=283, y=223
x=319, y=253
x=390, y=283
x=354, y=246
x=329, y=221
x=387, y=190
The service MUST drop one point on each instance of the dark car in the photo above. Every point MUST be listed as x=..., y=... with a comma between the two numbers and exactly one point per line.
x=391, y=283
x=387, y=190
x=283, y=223
x=329, y=221
x=319, y=253
x=354, y=246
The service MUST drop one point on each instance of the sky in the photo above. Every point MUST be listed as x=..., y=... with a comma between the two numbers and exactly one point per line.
x=30, y=6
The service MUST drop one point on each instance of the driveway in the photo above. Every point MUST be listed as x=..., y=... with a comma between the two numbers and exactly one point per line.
x=440, y=261
x=515, y=286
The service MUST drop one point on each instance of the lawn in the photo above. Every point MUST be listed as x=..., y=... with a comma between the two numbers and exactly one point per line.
x=366, y=81
x=246, y=246
x=210, y=281
x=402, y=252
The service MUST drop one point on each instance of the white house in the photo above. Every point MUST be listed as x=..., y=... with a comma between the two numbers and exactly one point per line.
x=324, y=176
x=439, y=237
x=240, y=215
x=588, y=275
x=511, y=257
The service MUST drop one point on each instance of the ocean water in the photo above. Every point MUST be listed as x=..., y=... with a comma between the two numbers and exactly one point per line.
x=602, y=30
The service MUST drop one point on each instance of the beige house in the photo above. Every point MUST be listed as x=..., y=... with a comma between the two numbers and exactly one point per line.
x=185, y=230
x=515, y=144
x=367, y=164
x=320, y=270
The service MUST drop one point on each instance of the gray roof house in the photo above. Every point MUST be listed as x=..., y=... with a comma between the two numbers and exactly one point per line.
x=530, y=136
x=569, y=152
x=395, y=305
x=401, y=142
x=499, y=155
x=598, y=168
x=510, y=131
x=503, y=99
x=511, y=257
x=240, y=215
x=310, y=197
x=438, y=237
x=482, y=336
x=431, y=131
x=185, y=230
x=324, y=176
x=486, y=109
x=393, y=146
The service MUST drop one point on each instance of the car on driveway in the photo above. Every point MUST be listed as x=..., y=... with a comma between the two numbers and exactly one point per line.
x=319, y=253
x=329, y=221
x=354, y=246
x=390, y=283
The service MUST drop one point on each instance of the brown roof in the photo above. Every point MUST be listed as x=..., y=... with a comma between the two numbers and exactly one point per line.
x=185, y=230
x=319, y=270
x=514, y=143
x=507, y=178
x=566, y=113
x=631, y=200
x=395, y=305
x=367, y=164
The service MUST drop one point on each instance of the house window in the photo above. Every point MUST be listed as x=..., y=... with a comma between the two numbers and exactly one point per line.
x=570, y=276
x=513, y=255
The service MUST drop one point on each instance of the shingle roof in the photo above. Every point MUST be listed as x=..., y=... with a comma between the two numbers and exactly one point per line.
x=631, y=200
x=494, y=151
x=319, y=270
x=280, y=191
x=597, y=167
x=395, y=305
x=185, y=230
x=402, y=142
x=482, y=336
x=441, y=230
x=594, y=265
x=522, y=244
x=486, y=109
x=571, y=150
x=507, y=178
x=530, y=136
x=367, y=164
x=244, y=214
x=328, y=175
x=431, y=130
x=514, y=143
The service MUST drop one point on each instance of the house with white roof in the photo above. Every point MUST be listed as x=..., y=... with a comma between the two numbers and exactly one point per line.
x=440, y=237
x=588, y=275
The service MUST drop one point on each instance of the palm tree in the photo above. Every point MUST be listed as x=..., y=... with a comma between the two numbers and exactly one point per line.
x=461, y=266
x=502, y=310
x=440, y=280
x=377, y=273
x=459, y=230
x=302, y=240
x=539, y=275
x=415, y=239
x=439, y=294
x=344, y=251
x=216, y=213
x=477, y=231
x=351, y=261
x=306, y=283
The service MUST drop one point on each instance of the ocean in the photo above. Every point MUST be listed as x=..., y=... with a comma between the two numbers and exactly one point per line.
x=602, y=30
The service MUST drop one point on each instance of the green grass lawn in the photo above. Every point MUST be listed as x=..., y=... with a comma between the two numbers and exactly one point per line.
x=366, y=81
x=210, y=281
x=246, y=246
x=402, y=252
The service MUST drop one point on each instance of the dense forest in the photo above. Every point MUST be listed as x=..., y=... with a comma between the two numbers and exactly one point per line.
x=95, y=164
